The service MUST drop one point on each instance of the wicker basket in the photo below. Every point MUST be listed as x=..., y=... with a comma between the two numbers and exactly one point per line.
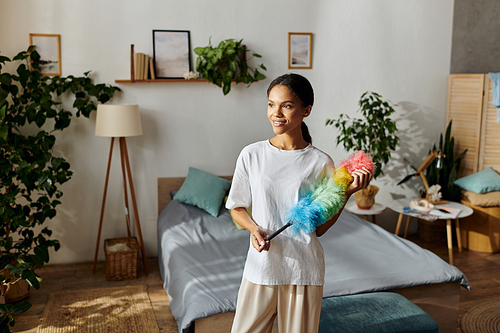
x=121, y=265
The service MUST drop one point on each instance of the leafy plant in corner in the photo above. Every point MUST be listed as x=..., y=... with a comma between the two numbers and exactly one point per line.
x=375, y=133
x=226, y=62
x=447, y=175
x=31, y=110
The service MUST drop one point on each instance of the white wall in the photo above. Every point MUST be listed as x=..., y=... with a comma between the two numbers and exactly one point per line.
x=400, y=49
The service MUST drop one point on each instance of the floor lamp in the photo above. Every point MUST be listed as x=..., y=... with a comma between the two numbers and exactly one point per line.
x=120, y=121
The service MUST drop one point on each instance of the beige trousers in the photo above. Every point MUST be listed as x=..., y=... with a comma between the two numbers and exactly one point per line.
x=297, y=308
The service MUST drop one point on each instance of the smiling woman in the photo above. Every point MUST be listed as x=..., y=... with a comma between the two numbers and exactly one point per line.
x=291, y=98
x=286, y=113
x=271, y=176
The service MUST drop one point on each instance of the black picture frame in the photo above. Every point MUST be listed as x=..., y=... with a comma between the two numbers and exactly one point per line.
x=171, y=53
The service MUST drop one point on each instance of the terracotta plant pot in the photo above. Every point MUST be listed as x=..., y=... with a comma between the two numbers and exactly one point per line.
x=16, y=291
x=365, y=198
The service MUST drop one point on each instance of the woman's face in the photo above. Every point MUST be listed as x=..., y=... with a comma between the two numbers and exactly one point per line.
x=285, y=111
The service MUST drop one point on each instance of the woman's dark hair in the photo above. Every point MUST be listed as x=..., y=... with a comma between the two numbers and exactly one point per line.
x=301, y=88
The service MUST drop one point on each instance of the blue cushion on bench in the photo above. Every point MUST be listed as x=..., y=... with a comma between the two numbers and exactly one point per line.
x=374, y=312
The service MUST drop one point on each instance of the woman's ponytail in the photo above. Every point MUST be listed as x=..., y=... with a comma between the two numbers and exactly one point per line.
x=305, y=133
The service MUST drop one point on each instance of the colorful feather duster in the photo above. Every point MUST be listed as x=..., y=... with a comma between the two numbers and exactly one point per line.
x=327, y=198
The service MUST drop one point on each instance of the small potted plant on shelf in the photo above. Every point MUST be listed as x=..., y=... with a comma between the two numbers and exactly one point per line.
x=30, y=172
x=226, y=62
x=375, y=134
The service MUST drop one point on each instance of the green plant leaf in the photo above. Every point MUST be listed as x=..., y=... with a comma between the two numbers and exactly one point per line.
x=199, y=50
x=4, y=59
x=13, y=269
x=6, y=79
x=21, y=307
x=6, y=307
x=33, y=281
x=4, y=132
x=226, y=88
x=259, y=76
x=5, y=320
x=42, y=253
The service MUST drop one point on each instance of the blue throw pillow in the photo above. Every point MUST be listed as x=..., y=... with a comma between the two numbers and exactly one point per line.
x=203, y=190
x=484, y=181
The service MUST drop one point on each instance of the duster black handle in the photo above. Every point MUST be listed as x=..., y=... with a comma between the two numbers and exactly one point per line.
x=277, y=232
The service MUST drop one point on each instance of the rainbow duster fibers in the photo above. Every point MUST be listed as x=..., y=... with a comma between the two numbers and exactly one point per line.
x=357, y=161
x=327, y=198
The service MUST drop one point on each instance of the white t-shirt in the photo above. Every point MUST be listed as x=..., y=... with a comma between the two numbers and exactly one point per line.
x=272, y=180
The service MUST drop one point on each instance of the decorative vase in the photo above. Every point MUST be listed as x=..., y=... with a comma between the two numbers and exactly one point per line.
x=14, y=292
x=365, y=198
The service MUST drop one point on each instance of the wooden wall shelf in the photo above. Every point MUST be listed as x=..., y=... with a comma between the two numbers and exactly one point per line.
x=160, y=80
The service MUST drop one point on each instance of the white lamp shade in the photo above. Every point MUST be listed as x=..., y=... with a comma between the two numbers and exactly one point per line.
x=118, y=121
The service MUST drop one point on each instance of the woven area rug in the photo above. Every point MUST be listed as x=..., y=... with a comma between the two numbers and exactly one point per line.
x=110, y=310
x=483, y=318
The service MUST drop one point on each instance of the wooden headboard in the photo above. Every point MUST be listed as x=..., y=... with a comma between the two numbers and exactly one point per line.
x=165, y=185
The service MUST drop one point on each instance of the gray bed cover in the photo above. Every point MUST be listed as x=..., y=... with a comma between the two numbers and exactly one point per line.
x=201, y=261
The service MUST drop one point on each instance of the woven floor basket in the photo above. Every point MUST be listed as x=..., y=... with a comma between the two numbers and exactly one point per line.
x=121, y=265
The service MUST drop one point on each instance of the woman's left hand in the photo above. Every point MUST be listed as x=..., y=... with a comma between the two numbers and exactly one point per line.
x=362, y=179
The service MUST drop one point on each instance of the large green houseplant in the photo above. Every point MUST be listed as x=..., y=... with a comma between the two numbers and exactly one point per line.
x=375, y=133
x=226, y=62
x=446, y=175
x=31, y=110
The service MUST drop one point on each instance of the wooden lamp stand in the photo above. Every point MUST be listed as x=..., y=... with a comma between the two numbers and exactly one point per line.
x=120, y=121
x=420, y=171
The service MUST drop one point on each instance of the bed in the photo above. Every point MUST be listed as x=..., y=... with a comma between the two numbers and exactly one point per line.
x=201, y=261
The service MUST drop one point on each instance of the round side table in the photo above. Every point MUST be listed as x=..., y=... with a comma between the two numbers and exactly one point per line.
x=376, y=209
x=464, y=212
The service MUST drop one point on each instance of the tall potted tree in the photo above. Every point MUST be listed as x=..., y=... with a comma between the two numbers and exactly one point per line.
x=375, y=133
x=30, y=172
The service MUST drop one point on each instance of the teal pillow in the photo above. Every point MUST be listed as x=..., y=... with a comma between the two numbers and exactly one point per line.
x=203, y=190
x=484, y=181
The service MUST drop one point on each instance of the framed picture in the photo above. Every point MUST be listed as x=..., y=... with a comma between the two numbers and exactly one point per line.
x=171, y=52
x=49, y=48
x=299, y=50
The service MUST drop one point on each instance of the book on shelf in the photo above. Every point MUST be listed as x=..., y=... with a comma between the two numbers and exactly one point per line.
x=152, y=69
x=146, y=67
x=137, y=66
x=141, y=66
x=136, y=75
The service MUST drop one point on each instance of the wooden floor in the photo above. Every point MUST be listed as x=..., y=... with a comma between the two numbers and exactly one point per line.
x=79, y=276
x=482, y=270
